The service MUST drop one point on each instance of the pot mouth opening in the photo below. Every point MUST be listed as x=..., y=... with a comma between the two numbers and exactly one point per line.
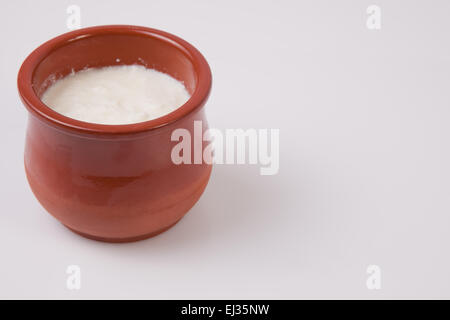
x=112, y=45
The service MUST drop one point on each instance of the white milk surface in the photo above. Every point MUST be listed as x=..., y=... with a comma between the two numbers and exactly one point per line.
x=116, y=95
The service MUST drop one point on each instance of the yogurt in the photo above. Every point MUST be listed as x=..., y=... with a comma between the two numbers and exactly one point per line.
x=116, y=95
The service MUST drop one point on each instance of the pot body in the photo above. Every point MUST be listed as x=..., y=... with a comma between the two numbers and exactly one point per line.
x=114, y=182
x=113, y=188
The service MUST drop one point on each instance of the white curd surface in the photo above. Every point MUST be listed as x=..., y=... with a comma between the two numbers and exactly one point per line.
x=116, y=95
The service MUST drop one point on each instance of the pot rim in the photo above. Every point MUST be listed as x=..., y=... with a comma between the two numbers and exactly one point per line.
x=34, y=104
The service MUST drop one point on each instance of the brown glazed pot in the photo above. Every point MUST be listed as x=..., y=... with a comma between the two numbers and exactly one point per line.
x=114, y=183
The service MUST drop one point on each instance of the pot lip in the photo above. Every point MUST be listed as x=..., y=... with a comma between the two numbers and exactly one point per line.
x=34, y=104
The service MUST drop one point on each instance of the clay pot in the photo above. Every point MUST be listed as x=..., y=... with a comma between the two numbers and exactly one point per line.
x=113, y=183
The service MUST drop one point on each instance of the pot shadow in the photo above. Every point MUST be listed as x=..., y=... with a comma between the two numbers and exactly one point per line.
x=236, y=203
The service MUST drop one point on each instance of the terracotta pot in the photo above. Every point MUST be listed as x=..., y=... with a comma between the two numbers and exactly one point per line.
x=113, y=183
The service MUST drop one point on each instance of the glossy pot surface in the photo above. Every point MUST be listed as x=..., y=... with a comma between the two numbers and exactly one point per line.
x=113, y=183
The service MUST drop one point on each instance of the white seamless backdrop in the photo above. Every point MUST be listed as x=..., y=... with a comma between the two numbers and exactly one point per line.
x=364, y=173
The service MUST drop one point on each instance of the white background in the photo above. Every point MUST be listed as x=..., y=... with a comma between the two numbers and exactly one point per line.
x=364, y=157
